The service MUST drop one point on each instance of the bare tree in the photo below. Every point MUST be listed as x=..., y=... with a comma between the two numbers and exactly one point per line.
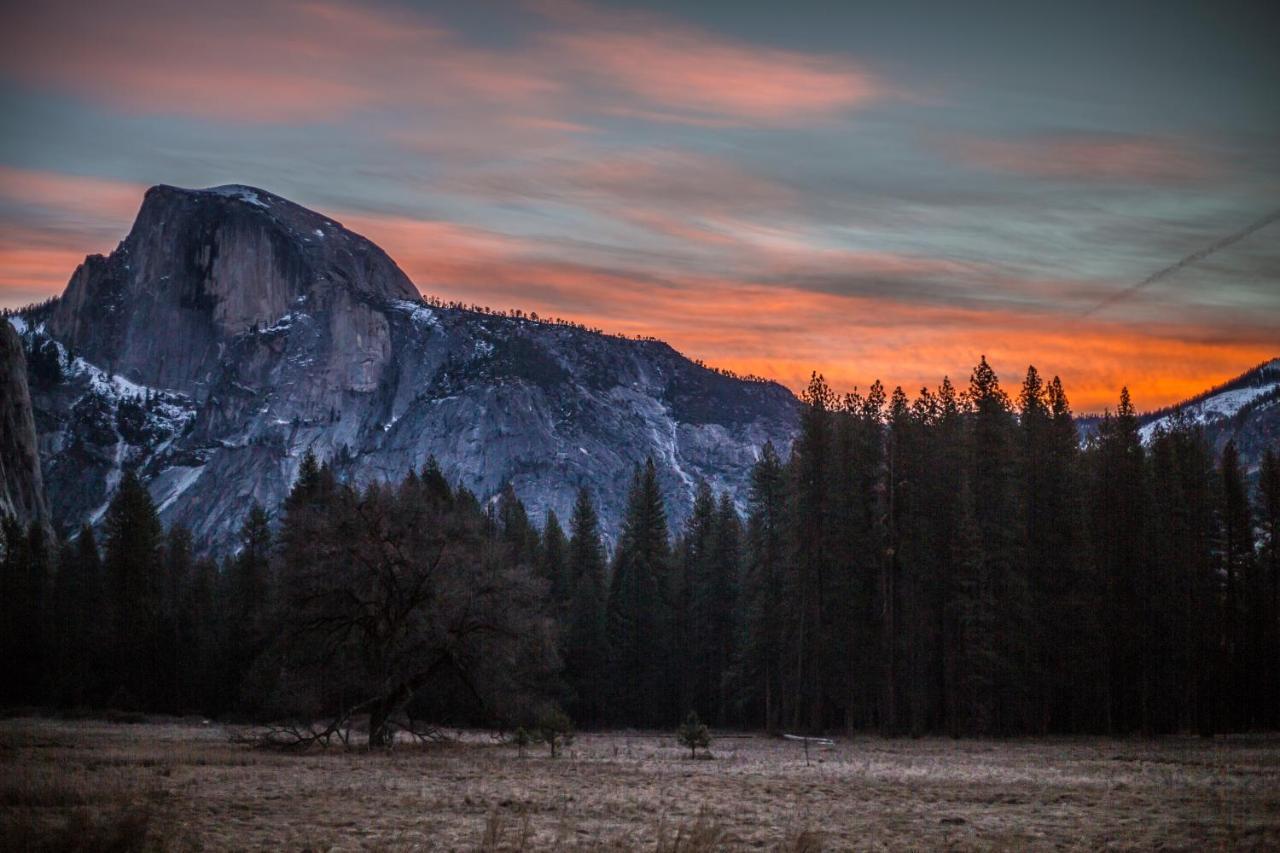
x=389, y=590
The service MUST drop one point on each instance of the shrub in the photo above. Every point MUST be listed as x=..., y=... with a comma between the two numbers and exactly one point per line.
x=521, y=738
x=555, y=729
x=693, y=734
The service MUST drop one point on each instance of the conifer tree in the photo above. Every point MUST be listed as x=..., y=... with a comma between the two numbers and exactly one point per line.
x=640, y=607
x=176, y=557
x=811, y=663
x=553, y=565
x=248, y=596
x=516, y=529
x=1001, y=530
x=762, y=645
x=695, y=604
x=725, y=566
x=78, y=598
x=135, y=591
x=587, y=644
x=1269, y=561
x=26, y=575
x=1117, y=522
x=1238, y=571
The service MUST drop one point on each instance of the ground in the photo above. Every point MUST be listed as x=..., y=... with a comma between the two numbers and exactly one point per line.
x=181, y=785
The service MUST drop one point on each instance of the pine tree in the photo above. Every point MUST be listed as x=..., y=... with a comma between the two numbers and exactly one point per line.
x=1117, y=522
x=247, y=597
x=725, y=565
x=993, y=465
x=26, y=575
x=1238, y=570
x=77, y=601
x=553, y=566
x=640, y=607
x=1269, y=560
x=516, y=530
x=762, y=643
x=1181, y=653
x=176, y=558
x=695, y=607
x=135, y=592
x=811, y=662
x=587, y=644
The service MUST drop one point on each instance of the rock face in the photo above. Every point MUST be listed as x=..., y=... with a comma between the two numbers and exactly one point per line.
x=233, y=330
x=21, y=484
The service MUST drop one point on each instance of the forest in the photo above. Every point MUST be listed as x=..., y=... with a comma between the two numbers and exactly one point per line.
x=959, y=563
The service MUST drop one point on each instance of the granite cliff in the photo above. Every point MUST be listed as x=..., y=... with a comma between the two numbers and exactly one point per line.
x=232, y=331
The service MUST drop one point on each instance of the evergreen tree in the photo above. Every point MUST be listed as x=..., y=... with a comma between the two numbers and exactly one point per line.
x=135, y=593
x=762, y=644
x=640, y=608
x=1269, y=560
x=553, y=565
x=516, y=529
x=1182, y=659
x=811, y=661
x=695, y=605
x=77, y=602
x=176, y=558
x=725, y=567
x=998, y=513
x=587, y=644
x=27, y=579
x=1117, y=521
x=1241, y=588
x=247, y=597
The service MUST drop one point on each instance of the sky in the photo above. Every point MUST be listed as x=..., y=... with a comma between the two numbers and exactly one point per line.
x=880, y=190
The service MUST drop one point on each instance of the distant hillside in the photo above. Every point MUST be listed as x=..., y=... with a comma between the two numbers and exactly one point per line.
x=1246, y=408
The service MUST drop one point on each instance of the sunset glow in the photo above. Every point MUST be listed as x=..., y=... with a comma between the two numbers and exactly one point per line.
x=774, y=193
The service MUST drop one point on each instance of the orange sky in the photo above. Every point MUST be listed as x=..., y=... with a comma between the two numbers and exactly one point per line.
x=775, y=331
x=775, y=190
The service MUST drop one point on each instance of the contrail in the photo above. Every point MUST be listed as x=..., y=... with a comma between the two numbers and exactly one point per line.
x=1192, y=258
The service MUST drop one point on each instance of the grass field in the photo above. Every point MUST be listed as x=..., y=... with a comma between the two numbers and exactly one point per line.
x=88, y=785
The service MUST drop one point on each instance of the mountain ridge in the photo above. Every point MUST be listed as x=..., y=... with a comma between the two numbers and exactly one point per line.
x=285, y=332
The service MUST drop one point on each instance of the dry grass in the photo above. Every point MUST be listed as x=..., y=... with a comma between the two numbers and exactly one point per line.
x=83, y=785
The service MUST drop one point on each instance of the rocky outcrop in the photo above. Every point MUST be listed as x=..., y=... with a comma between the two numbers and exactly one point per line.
x=21, y=484
x=233, y=330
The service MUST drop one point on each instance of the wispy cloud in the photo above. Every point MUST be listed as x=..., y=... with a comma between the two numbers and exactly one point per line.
x=320, y=60
x=1084, y=157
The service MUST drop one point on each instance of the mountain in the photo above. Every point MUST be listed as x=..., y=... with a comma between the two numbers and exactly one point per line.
x=1246, y=409
x=21, y=484
x=232, y=331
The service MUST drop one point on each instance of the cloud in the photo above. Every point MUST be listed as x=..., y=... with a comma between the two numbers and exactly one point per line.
x=785, y=331
x=688, y=76
x=785, y=307
x=1084, y=157
x=49, y=221
x=299, y=61
x=271, y=61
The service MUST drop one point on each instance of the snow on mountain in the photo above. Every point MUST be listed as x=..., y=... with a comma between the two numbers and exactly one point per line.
x=232, y=331
x=1220, y=406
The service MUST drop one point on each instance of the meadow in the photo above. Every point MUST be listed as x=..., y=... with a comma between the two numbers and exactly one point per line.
x=184, y=785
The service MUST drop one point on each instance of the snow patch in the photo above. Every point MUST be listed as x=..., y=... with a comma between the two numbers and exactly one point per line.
x=318, y=233
x=418, y=313
x=284, y=322
x=1218, y=407
x=243, y=193
x=178, y=484
x=18, y=323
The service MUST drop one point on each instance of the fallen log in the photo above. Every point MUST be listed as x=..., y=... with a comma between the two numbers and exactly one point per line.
x=821, y=741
